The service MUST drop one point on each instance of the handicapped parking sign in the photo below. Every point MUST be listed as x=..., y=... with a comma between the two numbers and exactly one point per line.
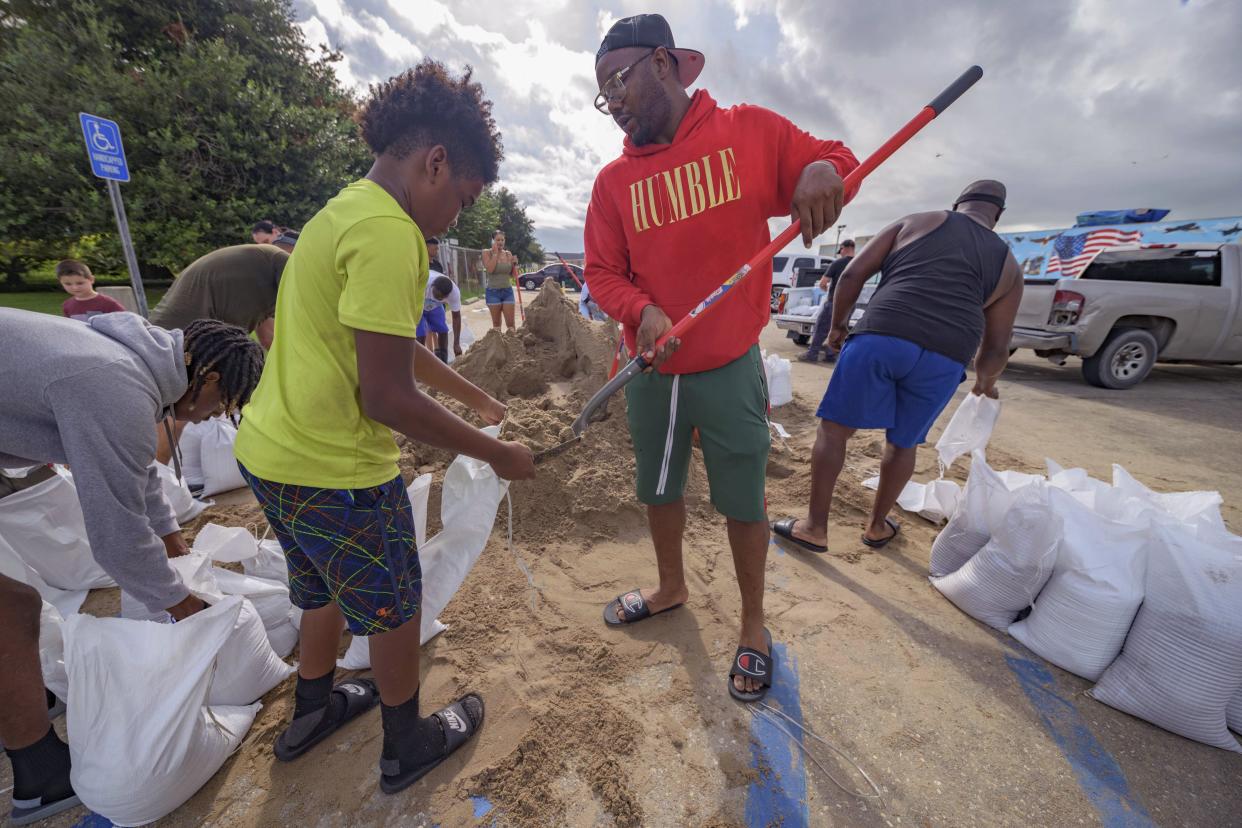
x=103, y=147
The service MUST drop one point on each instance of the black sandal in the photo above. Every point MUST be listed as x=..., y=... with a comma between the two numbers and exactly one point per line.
x=303, y=734
x=753, y=664
x=459, y=726
x=629, y=608
x=883, y=542
x=784, y=528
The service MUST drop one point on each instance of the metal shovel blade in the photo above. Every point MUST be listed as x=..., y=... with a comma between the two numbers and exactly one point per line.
x=597, y=402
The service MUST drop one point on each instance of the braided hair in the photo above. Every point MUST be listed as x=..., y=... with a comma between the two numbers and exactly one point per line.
x=212, y=345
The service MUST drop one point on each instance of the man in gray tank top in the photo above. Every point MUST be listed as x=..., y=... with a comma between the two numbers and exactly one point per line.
x=949, y=293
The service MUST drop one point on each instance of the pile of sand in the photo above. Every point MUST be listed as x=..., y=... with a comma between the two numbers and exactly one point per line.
x=546, y=372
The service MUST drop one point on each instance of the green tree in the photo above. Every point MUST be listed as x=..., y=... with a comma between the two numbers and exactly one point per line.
x=225, y=121
x=498, y=209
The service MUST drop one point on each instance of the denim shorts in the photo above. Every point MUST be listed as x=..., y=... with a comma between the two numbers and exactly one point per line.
x=499, y=296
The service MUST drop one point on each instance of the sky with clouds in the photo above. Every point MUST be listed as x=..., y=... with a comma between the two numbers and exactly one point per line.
x=1084, y=104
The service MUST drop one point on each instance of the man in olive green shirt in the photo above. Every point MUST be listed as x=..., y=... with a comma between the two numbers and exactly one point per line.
x=235, y=284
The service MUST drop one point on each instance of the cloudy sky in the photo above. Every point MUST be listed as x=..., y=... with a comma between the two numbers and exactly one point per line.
x=1084, y=104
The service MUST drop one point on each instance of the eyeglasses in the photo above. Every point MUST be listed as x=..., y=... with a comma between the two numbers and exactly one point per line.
x=614, y=88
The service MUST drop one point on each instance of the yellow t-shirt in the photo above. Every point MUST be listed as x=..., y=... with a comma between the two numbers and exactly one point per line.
x=359, y=264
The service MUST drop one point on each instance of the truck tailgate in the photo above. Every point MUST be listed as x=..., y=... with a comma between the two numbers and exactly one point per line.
x=1036, y=303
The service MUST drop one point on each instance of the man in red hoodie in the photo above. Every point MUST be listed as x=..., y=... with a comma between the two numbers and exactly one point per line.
x=686, y=205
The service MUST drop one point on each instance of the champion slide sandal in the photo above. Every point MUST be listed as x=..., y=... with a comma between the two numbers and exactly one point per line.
x=303, y=734
x=783, y=528
x=883, y=542
x=460, y=721
x=629, y=608
x=753, y=664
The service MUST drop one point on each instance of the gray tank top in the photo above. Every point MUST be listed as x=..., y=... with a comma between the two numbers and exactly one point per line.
x=933, y=290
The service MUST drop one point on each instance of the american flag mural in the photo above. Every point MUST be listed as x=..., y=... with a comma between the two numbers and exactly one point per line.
x=1071, y=254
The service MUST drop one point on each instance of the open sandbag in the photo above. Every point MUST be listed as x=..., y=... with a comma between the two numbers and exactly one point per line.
x=935, y=500
x=469, y=499
x=66, y=601
x=1181, y=666
x=44, y=526
x=269, y=562
x=969, y=429
x=980, y=507
x=1085, y=610
x=141, y=736
x=1004, y=577
x=1197, y=508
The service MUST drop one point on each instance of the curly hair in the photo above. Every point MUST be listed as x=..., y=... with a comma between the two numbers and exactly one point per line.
x=212, y=345
x=425, y=106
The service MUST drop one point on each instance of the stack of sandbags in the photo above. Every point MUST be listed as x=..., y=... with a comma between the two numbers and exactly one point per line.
x=207, y=456
x=154, y=710
x=177, y=492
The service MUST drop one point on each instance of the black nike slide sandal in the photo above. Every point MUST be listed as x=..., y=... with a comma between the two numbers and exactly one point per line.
x=26, y=811
x=784, y=529
x=883, y=542
x=460, y=721
x=628, y=608
x=753, y=664
x=303, y=734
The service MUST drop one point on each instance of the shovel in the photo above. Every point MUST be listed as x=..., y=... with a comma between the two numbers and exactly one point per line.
x=639, y=364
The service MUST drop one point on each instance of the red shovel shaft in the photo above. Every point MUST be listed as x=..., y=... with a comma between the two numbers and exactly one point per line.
x=925, y=116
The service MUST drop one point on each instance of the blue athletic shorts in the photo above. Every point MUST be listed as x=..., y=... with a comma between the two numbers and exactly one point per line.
x=890, y=383
x=351, y=547
x=498, y=296
x=433, y=320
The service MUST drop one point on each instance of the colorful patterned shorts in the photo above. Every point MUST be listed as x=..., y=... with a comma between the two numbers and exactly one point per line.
x=351, y=547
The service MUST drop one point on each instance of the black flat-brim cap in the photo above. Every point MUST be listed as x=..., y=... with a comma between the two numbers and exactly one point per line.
x=651, y=31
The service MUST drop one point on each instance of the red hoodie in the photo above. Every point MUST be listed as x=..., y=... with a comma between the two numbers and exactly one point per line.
x=669, y=222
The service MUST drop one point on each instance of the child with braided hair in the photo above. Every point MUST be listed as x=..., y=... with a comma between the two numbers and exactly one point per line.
x=89, y=395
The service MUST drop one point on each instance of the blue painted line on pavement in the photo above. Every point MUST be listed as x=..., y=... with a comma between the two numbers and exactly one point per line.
x=93, y=820
x=1098, y=773
x=482, y=806
x=778, y=797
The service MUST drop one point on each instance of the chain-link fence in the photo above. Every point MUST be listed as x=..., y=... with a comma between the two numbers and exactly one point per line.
x=465, y=266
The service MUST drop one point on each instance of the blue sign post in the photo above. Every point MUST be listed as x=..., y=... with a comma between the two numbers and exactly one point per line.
x=107, y=157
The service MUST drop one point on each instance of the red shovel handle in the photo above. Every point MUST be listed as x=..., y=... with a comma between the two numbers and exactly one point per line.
x=929, y=112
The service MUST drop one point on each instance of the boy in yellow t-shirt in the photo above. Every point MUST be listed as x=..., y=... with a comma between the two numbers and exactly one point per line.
x=316, y=442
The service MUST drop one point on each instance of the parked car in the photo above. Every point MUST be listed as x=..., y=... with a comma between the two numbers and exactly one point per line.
x=1137, y=305
x=796, y=314
x=535, y=279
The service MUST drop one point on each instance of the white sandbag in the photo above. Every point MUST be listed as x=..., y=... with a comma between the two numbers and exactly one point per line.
x=44, y=526
x=247, y=666
x=419, y=491
x=66, y=601
x=980, y=507
x=1085, y=610
x=269, y=562
x=225, y=544
x=271, y=598
x=207, y=456
x=177, y=493
x=780, y=380
x=1233, y=713
x=1009, y=571
x=1181, y=666
x=1198, y=508
x=141, y=739
x=468, y=501
x=969, y=430
x=934, y=500
x=52, y=651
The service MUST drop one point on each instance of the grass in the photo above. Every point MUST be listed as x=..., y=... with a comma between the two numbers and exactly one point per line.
x=46, y=301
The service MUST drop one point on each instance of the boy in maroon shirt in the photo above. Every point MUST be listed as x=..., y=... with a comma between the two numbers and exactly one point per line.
x=83, y=302
x=685, y=205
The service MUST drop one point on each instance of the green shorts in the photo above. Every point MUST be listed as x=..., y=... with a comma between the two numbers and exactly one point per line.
x=729, y=407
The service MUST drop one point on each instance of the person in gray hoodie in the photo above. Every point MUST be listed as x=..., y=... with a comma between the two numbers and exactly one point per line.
x=89, y=395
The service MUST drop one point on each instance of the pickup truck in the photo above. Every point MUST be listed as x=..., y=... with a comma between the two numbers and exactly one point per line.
x=1134, y=306
x=796, y=313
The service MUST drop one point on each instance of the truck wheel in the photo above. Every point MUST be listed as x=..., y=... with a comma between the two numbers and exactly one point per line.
x=802, y=339
x=1123, y=361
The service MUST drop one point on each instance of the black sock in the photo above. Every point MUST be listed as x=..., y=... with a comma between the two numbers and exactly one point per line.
x=312, y=694
x=41, y=771
x=412, y=740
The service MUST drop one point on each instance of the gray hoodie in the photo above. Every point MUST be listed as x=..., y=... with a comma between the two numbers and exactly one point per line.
x=90, y=395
